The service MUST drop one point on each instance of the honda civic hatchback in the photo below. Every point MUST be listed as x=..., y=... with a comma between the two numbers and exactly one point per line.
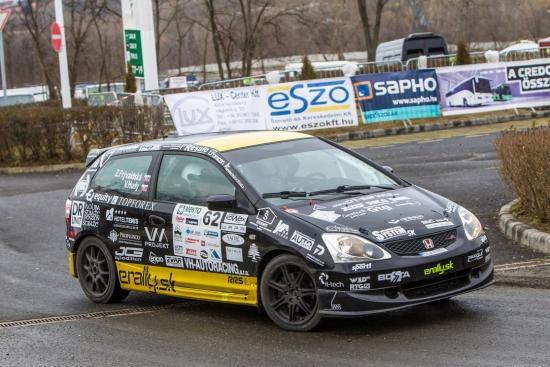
x=291, y=223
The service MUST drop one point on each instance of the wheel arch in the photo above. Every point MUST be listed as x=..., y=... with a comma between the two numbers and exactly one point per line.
x=76, y=246
x=266, y=258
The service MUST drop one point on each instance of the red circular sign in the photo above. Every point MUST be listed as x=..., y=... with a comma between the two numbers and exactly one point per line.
x=56, y=37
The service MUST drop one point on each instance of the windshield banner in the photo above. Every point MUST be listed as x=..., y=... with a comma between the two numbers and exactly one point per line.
x=312, y=104
x=491, y=87
x=217, y=110
x=397, y=96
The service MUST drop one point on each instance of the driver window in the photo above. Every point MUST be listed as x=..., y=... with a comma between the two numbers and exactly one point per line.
x=188, y=179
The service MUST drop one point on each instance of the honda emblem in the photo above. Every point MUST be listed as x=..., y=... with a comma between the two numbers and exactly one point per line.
x=428, y=243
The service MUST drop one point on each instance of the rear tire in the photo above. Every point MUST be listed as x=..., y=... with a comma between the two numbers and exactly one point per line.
x=96, y=272
x=289, y=294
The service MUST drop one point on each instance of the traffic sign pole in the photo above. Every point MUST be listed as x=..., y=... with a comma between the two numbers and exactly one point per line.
x=63, y=65
x=3, y=66
x=4, y=15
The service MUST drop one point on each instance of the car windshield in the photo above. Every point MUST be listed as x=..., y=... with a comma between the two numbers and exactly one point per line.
x=299, y=169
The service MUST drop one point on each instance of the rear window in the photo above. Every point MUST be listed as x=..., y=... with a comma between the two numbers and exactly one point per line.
x=128, y=174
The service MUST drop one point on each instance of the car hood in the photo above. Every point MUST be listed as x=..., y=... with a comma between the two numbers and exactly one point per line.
x=384, y=216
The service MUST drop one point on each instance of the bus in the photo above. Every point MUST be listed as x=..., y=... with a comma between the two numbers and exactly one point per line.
x=471, y=92
x=502, y=92
x=412, y=46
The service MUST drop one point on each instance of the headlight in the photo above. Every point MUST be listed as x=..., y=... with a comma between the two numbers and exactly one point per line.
x=348, y=248
x=472, y=226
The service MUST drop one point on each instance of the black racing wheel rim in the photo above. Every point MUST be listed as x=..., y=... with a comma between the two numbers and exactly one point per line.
x=292, y=294
x=95, y=271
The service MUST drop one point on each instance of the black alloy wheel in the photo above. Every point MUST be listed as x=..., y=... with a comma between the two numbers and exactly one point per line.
x=96, y=272
x=289, y=294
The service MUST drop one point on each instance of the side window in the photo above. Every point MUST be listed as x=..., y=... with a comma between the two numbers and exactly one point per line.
x=188, y=179
x=128, y=174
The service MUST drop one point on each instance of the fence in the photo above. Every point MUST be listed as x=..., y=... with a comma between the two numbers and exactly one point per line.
x=368, y=68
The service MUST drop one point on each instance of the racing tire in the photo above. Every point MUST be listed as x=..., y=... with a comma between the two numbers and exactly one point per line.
x=289, y=294
x=97, y=273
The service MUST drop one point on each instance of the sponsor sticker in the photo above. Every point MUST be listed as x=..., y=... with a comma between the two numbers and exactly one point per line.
x=265, y=217
x=439, y=269
x=476, y=256
x=234, y=253
x=329, y=216
x=226, y=227
x=233, y=239
x=302, y=240
x=327, y=283
x=77, y=213
x=436, y=223
x=253, y=253
x=396, y=276
x=361, y=266
x=233, y=218
x=174, y=261
x=389, y=233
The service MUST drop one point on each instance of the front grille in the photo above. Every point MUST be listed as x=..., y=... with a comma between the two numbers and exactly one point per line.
x=414, y=246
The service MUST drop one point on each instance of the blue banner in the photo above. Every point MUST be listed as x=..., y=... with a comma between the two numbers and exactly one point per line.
x=397, y=96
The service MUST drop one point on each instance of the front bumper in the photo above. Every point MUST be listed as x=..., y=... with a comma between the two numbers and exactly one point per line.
x=359, y=303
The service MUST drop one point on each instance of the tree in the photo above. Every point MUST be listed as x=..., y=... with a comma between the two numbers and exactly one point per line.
x=130, y=80
x=308, y=71
x=82, y=15
x=462, y=54
x=372, y=33
x=36, y=19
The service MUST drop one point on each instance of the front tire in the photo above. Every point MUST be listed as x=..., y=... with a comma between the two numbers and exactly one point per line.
x=96, y=272
x=289, y=294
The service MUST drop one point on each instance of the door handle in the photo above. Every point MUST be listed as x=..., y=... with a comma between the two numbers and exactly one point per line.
x=156, y=220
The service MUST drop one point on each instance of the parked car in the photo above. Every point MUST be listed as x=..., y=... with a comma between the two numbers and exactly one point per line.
x=292, y=223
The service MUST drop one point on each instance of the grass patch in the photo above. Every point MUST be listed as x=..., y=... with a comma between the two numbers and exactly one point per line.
x=525, y=217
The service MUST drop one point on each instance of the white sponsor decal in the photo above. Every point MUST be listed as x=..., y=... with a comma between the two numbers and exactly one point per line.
x=234, y=253
x=77, y=213
x=329, y=216
x=281, y=229
x=436, y=223
x=82, y=185
x=362, y=266
x=233, y=228
x=302, y=240
x=235, y=218
x=389, y=233
x=406, y=219
x=394, y=277
x=233, y=239
x=478, y=255
x=253, y=253
x=265, y=216
x=319, y=250
x=154, y=259
x=129, y=253
x=359, y=283
x=174, y=261
x=324, y=280
x=213, y=266
x=433, y=252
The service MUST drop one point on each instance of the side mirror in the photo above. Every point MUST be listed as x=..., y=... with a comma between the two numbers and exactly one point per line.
x=388, y=168
x=221, y=202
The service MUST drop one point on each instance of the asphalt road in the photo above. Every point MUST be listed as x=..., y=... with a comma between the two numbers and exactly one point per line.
x=496, y=326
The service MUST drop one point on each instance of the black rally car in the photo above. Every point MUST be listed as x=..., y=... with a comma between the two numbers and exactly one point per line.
x=292, y=223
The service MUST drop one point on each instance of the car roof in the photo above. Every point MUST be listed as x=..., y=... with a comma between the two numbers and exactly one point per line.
x=230, y=140
x=220, y=141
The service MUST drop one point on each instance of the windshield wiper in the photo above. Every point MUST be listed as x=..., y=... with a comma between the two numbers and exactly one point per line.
x=343, y=189
x=285, y=194
x=347, y=188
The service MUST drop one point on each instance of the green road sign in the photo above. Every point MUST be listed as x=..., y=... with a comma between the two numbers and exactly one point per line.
x=134, y=54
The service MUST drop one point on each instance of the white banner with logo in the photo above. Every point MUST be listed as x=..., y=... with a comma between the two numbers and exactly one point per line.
x=312, y=104
x=217, y=110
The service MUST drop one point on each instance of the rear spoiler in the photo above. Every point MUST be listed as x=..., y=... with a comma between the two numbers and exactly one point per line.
x=93, y=155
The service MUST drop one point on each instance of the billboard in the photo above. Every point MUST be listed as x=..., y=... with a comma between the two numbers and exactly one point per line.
x=313, y=104
x=397, y=96
x=491, y=87
x=217, y=110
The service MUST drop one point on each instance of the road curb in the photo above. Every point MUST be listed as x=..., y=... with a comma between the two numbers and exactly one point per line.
x=521, y=233
x=360, y=135
x=43, y=169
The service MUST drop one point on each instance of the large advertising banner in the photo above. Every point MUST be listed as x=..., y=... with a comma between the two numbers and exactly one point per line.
x=491, y=87
x=397, y=96
x=306, y=105
x=217, y=110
